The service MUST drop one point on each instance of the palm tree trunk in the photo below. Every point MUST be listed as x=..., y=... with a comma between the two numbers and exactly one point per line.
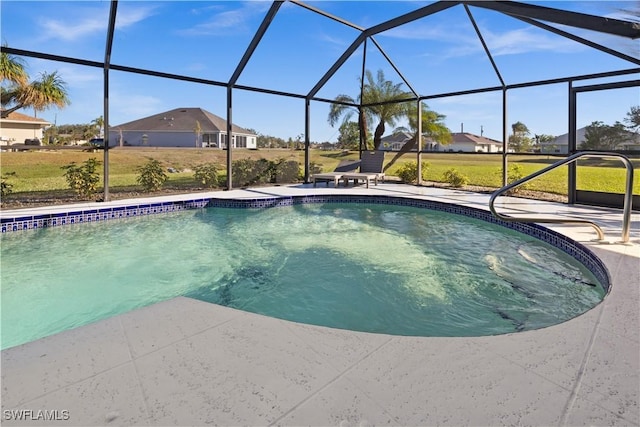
x=407, y=147
x=5, y=113
x=377, y=136
x=362, y=123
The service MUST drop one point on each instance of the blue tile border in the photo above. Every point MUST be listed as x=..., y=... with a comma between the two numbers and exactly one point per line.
x=567, y=245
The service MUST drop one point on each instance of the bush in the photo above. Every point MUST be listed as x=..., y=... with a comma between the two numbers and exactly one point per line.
x=408, y=172
x=285, y=171
x=314, y=168
x=514, y=174
x=207, y=175
x=455, y=178
x=250, y=172
x=83, y=179
x=151, y=175
x=7, y=187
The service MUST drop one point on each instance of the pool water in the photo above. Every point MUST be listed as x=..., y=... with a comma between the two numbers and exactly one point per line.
x=373, y=268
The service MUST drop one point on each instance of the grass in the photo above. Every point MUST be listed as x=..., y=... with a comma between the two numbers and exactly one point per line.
x=39, y=172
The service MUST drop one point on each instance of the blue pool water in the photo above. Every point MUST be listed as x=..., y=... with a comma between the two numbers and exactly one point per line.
x=374, y=268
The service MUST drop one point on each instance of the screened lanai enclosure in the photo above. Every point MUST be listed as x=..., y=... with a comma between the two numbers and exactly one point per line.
x=480, y=68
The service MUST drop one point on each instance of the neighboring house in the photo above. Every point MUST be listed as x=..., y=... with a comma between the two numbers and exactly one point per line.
x=397, y=140
x=461, y=142
x=560, y=144
x=18, y=127
x=465, y=142
x=179, y=128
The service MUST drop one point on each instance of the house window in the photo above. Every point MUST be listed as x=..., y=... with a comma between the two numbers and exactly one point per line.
x=210, y=140
x=241, y=141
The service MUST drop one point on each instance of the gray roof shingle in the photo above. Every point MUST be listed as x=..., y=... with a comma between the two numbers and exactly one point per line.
x=181, y=120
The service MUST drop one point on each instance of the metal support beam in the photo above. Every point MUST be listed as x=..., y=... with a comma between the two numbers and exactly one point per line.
x=396, y=69
x=419, y=141
x=256, y=40
x=362, y=125
x=336, y=66
x=411, y=16
x=229, y=139
x=505, y=139
x=581, y=40
x=571, y=145
x=105, y=114
x=484, y=45
x=327, y=15
x=307, y=142
x=564, y=17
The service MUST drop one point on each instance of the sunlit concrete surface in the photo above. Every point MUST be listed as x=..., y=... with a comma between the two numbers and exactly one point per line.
x=187, y=362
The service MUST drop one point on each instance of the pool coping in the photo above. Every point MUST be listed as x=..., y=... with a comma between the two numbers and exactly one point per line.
x=240, y=368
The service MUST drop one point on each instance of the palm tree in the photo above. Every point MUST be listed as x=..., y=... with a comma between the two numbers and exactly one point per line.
x=382, y=93
x=13, y=70
x=377, y=96
x=98, y=123
x=345, y=110
x=49, y=90
x=432, y=126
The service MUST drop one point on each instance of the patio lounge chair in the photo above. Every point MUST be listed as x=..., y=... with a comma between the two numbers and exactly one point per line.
x=343, y=167
x=371, y=164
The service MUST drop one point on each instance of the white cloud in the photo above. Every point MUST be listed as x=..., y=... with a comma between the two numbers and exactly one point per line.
x=225, y=22
x=461, y=41
x=129, y=16
x=526, y=40
x=79, y=23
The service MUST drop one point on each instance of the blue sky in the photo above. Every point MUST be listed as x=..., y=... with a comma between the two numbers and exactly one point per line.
x=437, y=54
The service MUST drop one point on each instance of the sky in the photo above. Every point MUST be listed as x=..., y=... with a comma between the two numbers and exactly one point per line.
x=438, y=54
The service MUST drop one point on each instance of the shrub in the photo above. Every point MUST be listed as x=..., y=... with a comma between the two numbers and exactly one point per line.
x=285, y=171
x=7, y=187
x=515, y=173
x=249, y=172
x=408, y=172
x=314, y=168
x=207, y=175
x=83, y=179
x=151, y=175
x=455, y=178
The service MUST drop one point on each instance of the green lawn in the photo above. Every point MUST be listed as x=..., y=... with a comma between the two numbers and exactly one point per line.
x=41, y=171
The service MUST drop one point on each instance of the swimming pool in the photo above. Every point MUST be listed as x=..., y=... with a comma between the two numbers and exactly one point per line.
x=375, y=266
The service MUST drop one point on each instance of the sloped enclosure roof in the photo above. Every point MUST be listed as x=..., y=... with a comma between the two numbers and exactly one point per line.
x=258, y=69
x=555, y=20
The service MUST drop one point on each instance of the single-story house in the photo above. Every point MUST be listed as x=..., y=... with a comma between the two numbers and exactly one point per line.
x=181, y=127
x=461, y=142
x=397, y=140
x=18, y=127
x=465, y=142
x=560, y=144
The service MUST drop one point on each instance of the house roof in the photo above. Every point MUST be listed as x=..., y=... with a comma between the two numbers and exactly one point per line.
x=465, y=137
x=23, y=118
x=581, y=135
x=397, y=137
x=181, y=120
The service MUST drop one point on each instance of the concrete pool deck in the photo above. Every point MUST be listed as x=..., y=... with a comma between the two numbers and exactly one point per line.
x=187, y=362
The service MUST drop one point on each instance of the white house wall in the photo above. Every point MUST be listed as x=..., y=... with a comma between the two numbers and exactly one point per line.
x=162, y=139
x=466, y=147
x=16, y=133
